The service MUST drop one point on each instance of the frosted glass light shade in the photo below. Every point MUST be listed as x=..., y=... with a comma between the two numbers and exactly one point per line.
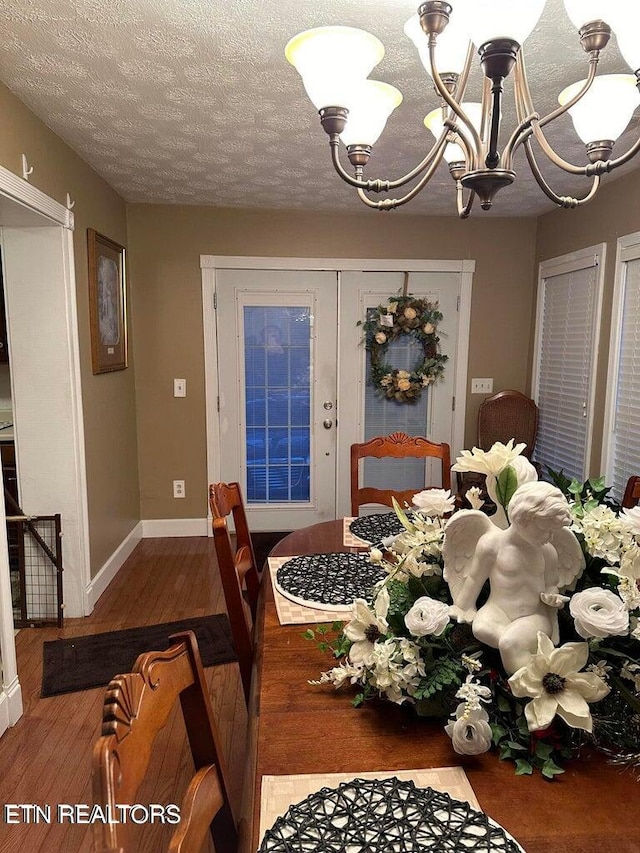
x=582, y=12
x=605, y=111
x=332, y=61
x=493, y=19
x=452, y=45
x=626, y=23
x=453, y=153
x=372, y=105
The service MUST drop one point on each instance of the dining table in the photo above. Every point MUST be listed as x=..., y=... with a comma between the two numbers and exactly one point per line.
x=303, y=727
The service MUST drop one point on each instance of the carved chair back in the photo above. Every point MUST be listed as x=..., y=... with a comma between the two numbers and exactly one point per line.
x=398, y=445
x=137, y=706
x=631, y=493
x=238, y=571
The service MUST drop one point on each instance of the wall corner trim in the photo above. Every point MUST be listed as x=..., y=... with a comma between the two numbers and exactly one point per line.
x=112, y=566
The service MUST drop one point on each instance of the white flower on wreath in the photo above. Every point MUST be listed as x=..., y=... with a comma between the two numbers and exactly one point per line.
x=492, y=461
x=380, y=338
x=470, y=731
x=392, y=307
x=367, y=627
x=553, y=680
x=427, y=617
x=599, y=613
x=434, y=501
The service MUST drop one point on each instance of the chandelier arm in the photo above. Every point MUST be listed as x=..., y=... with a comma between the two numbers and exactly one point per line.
x=448, y=98
x=382, y=185
x=486, y=102
x=392, y=203
x=610, y=165
x=561, y=201
x=464, y=210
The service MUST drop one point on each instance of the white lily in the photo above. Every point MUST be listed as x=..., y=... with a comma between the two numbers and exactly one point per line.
x=367, y=627
x=492, y=461
x=554, y=681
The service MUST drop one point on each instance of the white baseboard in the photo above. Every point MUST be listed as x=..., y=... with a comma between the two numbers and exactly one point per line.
x=113, y=565
x=10, y=705
x=173, y=527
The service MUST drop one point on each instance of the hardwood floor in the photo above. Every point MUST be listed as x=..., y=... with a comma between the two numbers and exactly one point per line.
x=46, y=757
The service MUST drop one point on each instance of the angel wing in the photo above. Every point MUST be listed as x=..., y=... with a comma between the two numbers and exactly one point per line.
x=461, y=536
x=571, y=562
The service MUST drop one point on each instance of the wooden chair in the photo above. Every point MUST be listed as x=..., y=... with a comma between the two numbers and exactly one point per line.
x=137, y=706
x=399, y=445
x=505, y=415
x=238, y=572
x=631, y=493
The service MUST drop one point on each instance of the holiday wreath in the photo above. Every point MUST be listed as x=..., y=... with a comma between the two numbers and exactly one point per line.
x=403, y=315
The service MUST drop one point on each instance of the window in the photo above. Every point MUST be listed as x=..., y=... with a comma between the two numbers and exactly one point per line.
x=567, y=331
x=622, y=425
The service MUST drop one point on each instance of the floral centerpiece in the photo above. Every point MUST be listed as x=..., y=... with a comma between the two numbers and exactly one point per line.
x=403, y=315
x=441, y=635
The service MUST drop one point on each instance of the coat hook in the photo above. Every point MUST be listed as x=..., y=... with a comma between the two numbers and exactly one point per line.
x=70, y=204
x=26, y=168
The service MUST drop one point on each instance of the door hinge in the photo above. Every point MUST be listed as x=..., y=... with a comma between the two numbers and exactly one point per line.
x=215, y=301
x=218, y=403
x=458, y=304
x=453, y=404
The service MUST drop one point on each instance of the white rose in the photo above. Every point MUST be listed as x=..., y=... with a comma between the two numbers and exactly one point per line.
x=381, y=338
x=599, y=613
x=427, y=616
x=434, y=501
x=428, y=328
x=470, y=735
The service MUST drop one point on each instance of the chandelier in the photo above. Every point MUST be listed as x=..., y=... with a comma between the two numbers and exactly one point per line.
x=335, y=63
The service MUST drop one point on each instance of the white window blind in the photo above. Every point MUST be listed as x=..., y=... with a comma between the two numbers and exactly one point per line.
x=625, y=456
x=566, y=334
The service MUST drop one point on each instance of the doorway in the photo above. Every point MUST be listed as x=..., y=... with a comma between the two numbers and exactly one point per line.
x=286, y=376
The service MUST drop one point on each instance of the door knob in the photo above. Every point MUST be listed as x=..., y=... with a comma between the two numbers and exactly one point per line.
x=327, y=423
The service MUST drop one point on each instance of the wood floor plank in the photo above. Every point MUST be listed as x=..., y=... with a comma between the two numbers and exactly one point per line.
x=46, y=757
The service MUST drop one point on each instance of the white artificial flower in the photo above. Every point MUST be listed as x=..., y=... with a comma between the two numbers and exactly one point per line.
x=339, y=675
x=473, y=496
x=632, y=517
x=470, y=732
x=434, y=501
x=599, y=613
x=553, y=680
x=635, y=628
x=392, y=307
x=473, y=693
x=376, y=555
x=367, y=627
x=601, y=669
x=630, y=562
x=629, y=592
x=605, y=534
x=427, y=616
x=396, y=668
x=380, y=338
x=631, y=671
x=492, y=461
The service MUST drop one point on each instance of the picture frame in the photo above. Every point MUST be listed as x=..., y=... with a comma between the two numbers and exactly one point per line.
x=107, y=303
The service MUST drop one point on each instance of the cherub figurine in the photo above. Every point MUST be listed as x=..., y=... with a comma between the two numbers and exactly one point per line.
x=528, y=565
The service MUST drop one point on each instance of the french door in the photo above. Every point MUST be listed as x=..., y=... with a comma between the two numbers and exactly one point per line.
x=288, y=373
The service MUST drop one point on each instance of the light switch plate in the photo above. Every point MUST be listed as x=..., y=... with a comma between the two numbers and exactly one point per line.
x=179, y=387
x=482, y=386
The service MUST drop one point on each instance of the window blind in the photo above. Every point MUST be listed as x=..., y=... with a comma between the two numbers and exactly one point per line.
x=565, y=347
x=626, y=424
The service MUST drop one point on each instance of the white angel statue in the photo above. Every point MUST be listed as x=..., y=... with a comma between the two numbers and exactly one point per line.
x=528, y=566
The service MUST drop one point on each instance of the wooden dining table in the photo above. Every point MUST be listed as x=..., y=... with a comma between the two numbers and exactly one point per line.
x=299, y=728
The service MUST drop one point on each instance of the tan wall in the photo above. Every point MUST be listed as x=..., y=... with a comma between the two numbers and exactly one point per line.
x=166, y=244
x=109, y=399
x=614, y=213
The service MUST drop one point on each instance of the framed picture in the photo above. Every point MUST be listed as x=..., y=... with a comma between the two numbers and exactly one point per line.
x=107, y=303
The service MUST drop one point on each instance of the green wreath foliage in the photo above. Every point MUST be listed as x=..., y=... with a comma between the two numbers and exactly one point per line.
x=403, y=315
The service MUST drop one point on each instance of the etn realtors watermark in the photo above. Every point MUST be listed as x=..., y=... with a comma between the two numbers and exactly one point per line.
x=83, y=813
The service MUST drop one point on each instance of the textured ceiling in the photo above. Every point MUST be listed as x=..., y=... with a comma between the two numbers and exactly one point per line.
x=192, y=101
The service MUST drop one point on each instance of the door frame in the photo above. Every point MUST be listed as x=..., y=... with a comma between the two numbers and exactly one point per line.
x=210, y=263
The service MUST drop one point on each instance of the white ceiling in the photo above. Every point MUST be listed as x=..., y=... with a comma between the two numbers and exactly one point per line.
x=192, y=101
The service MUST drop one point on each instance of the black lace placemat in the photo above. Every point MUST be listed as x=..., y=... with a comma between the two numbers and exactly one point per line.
x=375, y=528
x=328, y=581
x=385, y=815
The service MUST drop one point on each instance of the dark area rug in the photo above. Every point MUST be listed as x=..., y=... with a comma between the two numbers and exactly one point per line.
x=263, y=543
x=82, y=663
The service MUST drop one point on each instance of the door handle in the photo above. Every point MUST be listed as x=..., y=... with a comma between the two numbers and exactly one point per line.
x=327, y=423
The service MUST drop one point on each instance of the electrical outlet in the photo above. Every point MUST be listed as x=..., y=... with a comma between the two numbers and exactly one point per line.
x=178, y=489
x=482, y=386
x=179, y=387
